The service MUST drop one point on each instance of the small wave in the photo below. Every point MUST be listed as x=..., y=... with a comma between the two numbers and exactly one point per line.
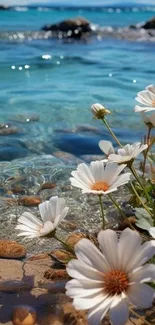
x=109, y=9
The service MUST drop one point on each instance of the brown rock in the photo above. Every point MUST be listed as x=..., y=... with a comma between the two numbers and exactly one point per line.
x=62, y=255
x=11, y=249
x=17, y=189
x=72, y=239
x=41, y=256
x=56, y=274
x=23, y=315
x=29, y=200
x=127, y=222
x=47, y=186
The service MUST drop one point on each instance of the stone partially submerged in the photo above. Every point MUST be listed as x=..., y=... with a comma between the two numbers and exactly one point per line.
x=74, y=28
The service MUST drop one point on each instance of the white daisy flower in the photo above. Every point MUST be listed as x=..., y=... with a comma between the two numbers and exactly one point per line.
x=148, y=119
x=111, y=279
x=99, y=111
x=151, y=231
x=99, y=178
x=106, y=147
x=52, y=213
x=147, y=98
x=128, y=153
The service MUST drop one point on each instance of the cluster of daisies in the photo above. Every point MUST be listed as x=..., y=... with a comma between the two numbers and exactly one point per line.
x=112, y=277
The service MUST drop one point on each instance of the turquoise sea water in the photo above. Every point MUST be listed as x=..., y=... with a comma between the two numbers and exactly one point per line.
x=56, y=82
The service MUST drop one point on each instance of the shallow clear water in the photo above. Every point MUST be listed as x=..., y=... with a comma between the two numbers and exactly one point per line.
x=60, y=90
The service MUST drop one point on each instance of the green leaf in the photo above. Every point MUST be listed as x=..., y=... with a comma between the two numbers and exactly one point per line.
x=144, y=220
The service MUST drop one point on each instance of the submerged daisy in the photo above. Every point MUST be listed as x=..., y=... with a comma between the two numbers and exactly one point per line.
x=52, y=213
x=128, y=153
x=147, y=98
x=113, y=278
x=99, y=178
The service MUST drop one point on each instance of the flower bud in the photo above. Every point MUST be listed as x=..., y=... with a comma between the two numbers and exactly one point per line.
x=99, y=111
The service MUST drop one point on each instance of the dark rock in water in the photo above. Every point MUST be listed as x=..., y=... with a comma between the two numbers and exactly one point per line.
x=74, y=28
x=25, y=118
x=79, y=144
x=150, y=24
x=3, y=7
x=12, y=149
x=6, y=129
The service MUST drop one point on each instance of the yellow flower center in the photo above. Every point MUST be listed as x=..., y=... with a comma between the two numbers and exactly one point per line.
x=153, y=102
x=115, y=282
x=100, y=186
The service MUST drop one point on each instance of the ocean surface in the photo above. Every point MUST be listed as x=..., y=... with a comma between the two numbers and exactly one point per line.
x=47, y=86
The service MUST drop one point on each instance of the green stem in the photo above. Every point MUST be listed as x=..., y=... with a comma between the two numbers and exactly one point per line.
x=147, y=150
x=139, y=181
x=112, y=133
x=117, y=206
x=68, y=247
x=140, y=200
x=102, y=211
x=121, y=211
x=139, y=317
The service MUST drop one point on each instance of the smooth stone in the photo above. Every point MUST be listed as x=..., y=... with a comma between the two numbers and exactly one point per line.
x=47, y=186
x=31, y=200
x=23, y=315
x=79, y=144
x=11, y=249
x=61, y=255
x=89, y=158
x=88, y=128
x=13, y=149
x=67, y=157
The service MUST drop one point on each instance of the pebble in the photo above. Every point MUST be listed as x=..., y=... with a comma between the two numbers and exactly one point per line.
x=11, y=249
x=29, y=200
x=125, y=223
x=56, y=274
x=47, y=186
x=62, y=255
x=72, y=239
x=23, y=315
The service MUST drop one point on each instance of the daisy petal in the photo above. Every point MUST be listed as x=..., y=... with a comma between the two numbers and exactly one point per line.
x=119, y=312
x=127, y=251
x=78, y=269
x=87, y=252
x=97, y=313
x=108, y=244
x=144, y=273
x=141, y=295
